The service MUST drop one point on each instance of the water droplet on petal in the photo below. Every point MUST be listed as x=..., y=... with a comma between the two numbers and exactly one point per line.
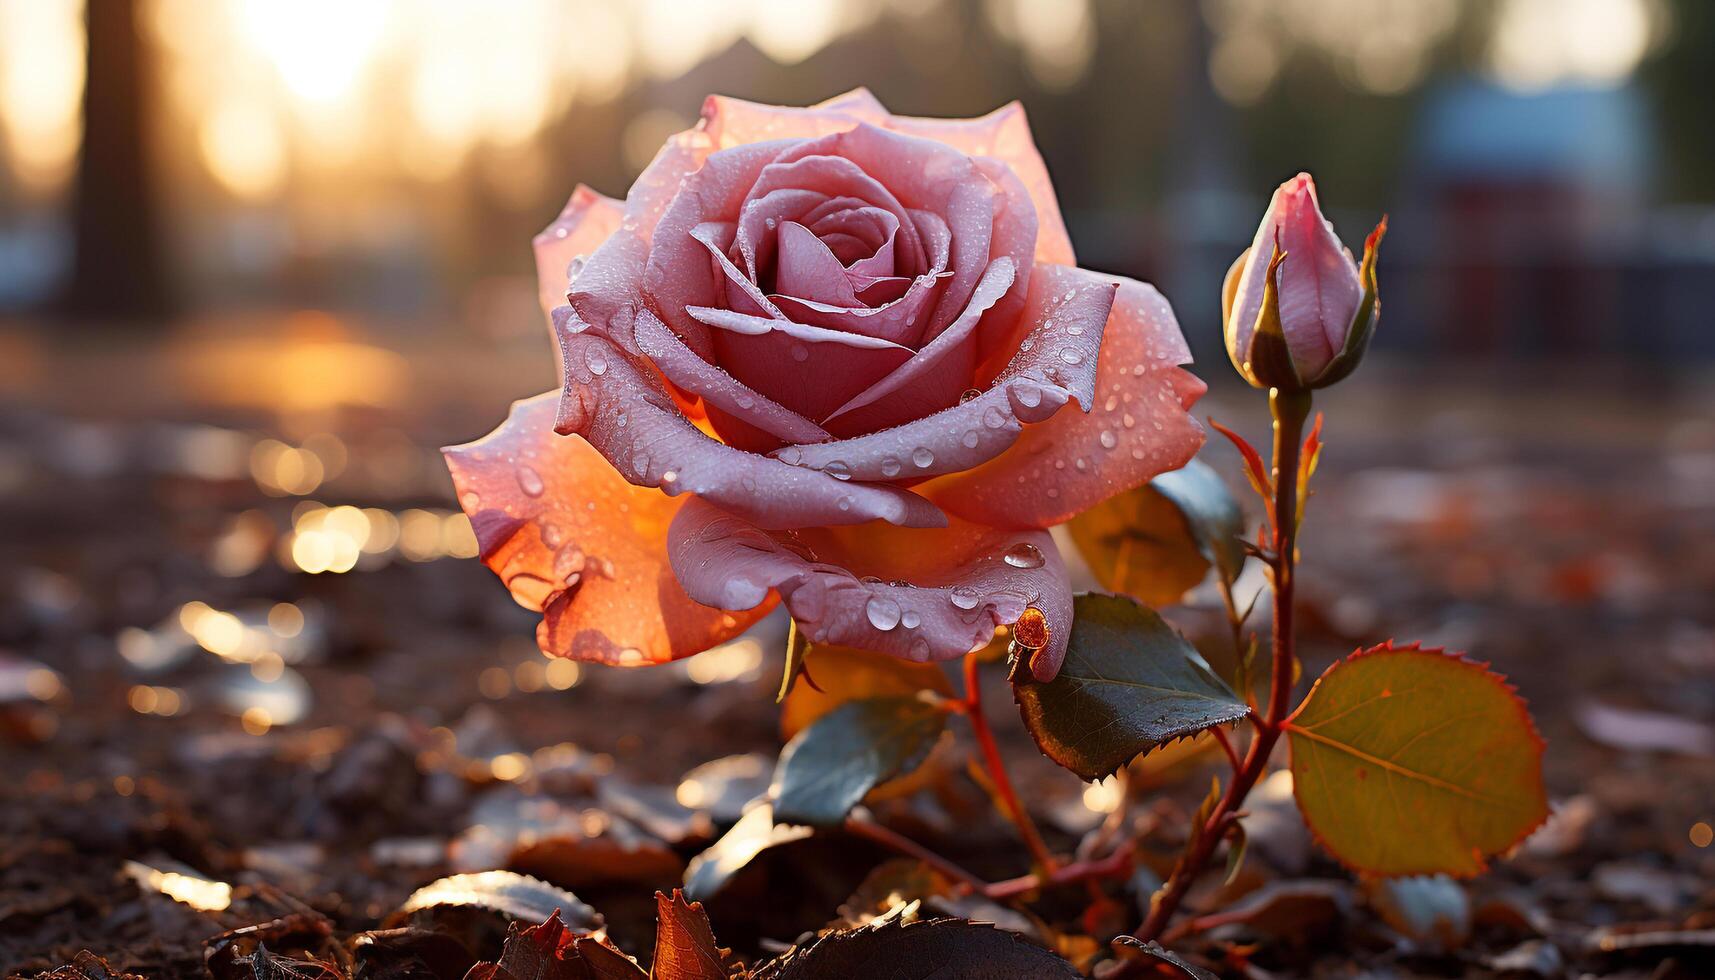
x=889, y=466
x=471, y=501
x=568, y=562
x=844, y=503
x=1108, y=439
x=552, y=536
x=800, y=353
x=910, y=620
x=922, y=457
x=964, y=597
x=529, y=480
x=969, y=439
x=919, y=649
x=838, y=469
x=993, y=417
x=1072, y=355
x=883, y=613
x=1024, y=555
x=595, y=360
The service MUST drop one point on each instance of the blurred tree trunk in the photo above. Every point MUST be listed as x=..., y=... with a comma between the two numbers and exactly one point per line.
x=117, y=269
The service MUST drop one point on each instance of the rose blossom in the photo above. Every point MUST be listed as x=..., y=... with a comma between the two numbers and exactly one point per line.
x=822, y=356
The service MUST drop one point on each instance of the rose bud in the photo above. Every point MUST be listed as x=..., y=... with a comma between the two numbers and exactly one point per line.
x=1299, y=312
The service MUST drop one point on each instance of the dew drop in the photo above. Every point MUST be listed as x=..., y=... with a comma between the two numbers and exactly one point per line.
x=568, y=562
x=919, y=649
x=745, y=403
x=844, y=503
x=969, y=439
x=964, y=597
x=910, y=620
x=1024, y=555
x=1108, y=439
x=552, y=536
x=529, y=480
x=1029, y=396
x=800, y=353
x=1072, y=355
x=471, y=501
x=838, y=469
x=1075, y=330
x=1129, y=420
x=595, y=360
x=969, y=394
x=993, y=417
x=922, y=457
x=889, y=466
x=883, y=613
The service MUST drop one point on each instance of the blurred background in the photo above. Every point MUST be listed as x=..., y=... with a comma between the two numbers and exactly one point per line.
x=259, y=258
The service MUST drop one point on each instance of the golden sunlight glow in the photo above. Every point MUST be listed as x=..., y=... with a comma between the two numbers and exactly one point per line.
x=199, y=893
x=243, y=147
x=41, y=88
x=321, y=48
x=1538, y=43
x=1104, y=795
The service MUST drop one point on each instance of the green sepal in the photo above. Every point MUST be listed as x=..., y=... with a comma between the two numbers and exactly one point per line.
x=1268, y=360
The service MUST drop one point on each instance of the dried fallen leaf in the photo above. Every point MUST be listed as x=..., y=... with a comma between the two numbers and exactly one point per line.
x=685, y=947
x=946, y=949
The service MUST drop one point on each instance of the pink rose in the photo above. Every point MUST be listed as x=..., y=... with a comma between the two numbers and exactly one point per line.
x=822, y=356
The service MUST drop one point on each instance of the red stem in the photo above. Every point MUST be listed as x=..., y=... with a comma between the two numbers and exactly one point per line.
x=1290, y=411
x=997, y=771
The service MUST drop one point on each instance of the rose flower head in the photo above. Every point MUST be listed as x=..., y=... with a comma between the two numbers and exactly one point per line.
x=1299, y=312
x=830, y=357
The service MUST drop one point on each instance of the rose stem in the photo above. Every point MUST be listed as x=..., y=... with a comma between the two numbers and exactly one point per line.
x=997, y=771
x=910, y=848
x=1289, y=411
x=1115, y=865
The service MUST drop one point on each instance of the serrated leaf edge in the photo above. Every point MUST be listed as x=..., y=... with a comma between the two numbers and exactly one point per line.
x=1520, y=704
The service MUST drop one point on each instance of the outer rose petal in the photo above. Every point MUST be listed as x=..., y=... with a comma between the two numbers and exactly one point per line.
x=921, y=594
x=626, y=415
x=571, y=538
x=585, y=222
x=731, y=122
x=1069, y=308
x=1139, y=428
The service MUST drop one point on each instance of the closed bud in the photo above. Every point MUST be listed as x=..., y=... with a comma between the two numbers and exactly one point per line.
x=1299, y=311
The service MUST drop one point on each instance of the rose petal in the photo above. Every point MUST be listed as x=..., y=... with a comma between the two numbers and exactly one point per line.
x=731, y=122
x=808, y=369
x=935, y=376
x=923, y=175
x=754, y=239
x=676, y=274
x=809, y=269
x=1004, y=134
x=619, y=406
x=1139, y=428
x=572, y=539
x=585, y=222
x=922, y=594
x=1069, y=307
x=818, y=165
x=764, y=424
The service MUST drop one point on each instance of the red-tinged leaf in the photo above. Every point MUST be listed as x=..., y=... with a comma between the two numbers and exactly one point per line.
x=551, y=951
x=685, y=947
x=1308, y=457
x=1255, y=470
x=1408, y=761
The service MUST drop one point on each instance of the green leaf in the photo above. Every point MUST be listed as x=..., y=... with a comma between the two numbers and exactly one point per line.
x=754, y=833
x=1158, y=541
x=1408, y=761
x=1129, y=683
x=828, y=767
x=1211, y=513
x=946, y=949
